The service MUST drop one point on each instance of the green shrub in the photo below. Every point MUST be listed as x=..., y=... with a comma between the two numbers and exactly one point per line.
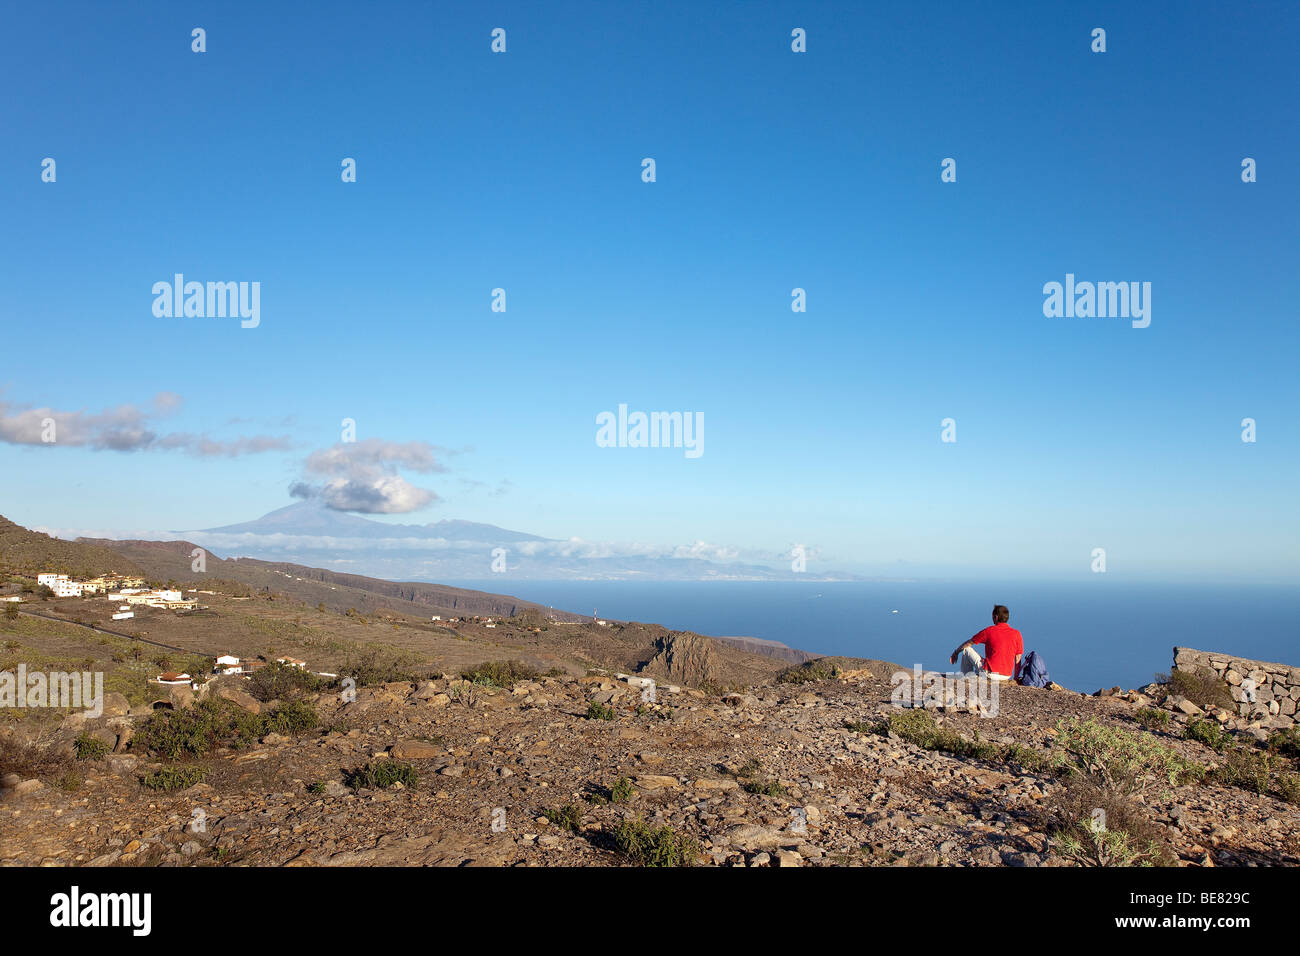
x=1288, y=787
x=1201, y=686
x=500, y=673
x=622, y=791
x=1101, y=827
x=765, y=788
x=567, y=817
x=197, y=731
x=1209, y=732
x=655, y=846
x=292, y=718
x=814, y=670
x=918, y=727
x=278, y=681
x=600, y=712
x=1245, y=769
x=1286, y=742
x=1118, y=760
x=1152, y=718
x=90, y=748
x=373, y=665
x=1027, y=757
x=381, y=775
x=174, y=778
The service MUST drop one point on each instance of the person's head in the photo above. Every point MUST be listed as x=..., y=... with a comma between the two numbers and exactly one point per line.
x=1000, y=614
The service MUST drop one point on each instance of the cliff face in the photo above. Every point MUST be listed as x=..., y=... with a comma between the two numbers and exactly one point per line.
x=685, y=658
x=756, y=645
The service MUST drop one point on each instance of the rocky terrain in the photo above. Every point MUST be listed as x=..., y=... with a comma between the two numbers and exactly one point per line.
x=540, y=739
x=545, y=772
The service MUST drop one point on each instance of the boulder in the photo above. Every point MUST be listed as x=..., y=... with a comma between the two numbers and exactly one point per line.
x=685, y=657
x=231, y=691
x=416, y=750
x=116, y=705
x=426, y=690
x=176, y=696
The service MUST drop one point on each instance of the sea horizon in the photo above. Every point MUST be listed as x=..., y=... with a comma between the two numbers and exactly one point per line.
x=1093, y=633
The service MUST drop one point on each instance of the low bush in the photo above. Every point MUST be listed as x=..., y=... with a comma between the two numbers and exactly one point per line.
x=1244, y=769
x=600, y=712
x=90, y=748
x=1286, y=742
x=655, y=846
x=1201, y=686
x=567, y=817
x=32, y=759
x=1152, y=718
x=1209, y=732
x=381, y=775
x=291, y=718
x=278, y=681
x=1118, y=760
x=807, y=672
x=500, y=673
x=174, y=778
x=374, y=665
x=196, y=731
x=919, y=727
x=622, y=791
x=1099, y=827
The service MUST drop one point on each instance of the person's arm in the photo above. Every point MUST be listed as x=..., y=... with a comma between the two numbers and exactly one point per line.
x=1015, y=673
x=961, y=647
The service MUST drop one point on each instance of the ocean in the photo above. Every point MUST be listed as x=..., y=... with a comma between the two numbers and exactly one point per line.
x=1092, y=634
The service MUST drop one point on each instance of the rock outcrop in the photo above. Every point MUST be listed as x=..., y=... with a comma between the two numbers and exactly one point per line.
x=686, y=658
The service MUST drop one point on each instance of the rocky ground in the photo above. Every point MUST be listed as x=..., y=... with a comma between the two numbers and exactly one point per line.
x=774, y=775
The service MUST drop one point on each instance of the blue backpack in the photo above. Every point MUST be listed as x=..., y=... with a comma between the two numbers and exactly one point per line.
x=1033, y=672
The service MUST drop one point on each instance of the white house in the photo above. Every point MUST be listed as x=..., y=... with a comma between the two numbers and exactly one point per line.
x=67, y=588
x=227, y=662
x=49, y=580
x=123, y=615
x=436, y=617
x=292, y=662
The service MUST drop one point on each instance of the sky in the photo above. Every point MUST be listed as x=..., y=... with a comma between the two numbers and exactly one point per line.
x=775, y=170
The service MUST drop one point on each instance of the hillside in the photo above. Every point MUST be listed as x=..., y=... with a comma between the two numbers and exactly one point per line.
x=728, y=758
x=586, y=771
x=257, y=608
x=30, y=553
x=171, y=561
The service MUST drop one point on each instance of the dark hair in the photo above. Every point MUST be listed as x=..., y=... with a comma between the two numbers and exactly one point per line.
x=1000, y=613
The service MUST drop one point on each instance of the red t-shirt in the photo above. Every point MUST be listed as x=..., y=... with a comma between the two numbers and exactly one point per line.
x=1003, y=643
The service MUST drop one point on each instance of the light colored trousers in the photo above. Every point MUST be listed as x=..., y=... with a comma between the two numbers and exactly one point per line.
x=972, y=663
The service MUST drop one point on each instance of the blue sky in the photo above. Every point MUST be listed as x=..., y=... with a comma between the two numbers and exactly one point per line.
x=775, y=170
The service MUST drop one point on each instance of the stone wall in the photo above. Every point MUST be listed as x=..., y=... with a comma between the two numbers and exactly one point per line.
x=1261, y=689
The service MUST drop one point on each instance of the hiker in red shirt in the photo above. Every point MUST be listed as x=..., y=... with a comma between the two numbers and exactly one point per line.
x=1003, y=649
